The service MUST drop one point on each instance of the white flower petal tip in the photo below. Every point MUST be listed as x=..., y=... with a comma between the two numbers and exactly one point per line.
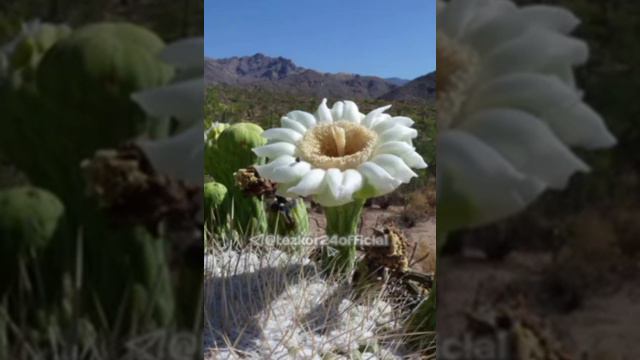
x=398, y=132
x=337, y=111
x=371, y=118
x=291, y=172
x=396, y=167
x=275, y=150
x=310, y=184
x=339, y=154
x=382, y=182
x=266, y=170
x=344, y=184
x=323, y=114
x=282, y=134
x=351, y=112
x=293, y=125
x=304, y=118
x=509, y=109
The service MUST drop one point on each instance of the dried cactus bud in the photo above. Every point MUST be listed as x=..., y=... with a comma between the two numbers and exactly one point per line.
x=250, y=182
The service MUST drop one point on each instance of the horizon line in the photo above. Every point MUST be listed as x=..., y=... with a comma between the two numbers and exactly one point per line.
x=208, y=56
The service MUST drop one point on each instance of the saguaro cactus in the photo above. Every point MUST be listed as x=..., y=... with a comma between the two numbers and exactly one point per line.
x=101, y=65
x=231, y=152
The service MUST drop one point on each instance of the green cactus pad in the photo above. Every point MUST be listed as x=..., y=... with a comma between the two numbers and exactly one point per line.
x=28, y=218
x=224, y=156
x=102, y=61
x=232, y=150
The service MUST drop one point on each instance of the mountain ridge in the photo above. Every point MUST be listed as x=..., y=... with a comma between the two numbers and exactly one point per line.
x=282, y=74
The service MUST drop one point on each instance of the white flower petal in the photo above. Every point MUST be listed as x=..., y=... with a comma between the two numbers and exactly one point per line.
x=394, y=147
x=327, y=199
x=388, y=123
x=340, y=187
x=403, y=120
x=282, y=134
x=323, y=114
x=275, y=150
x=303, y=117
x=311, y=183
x=184, y=54
x=179, y=155
x=284, y=190
x=548, y=98
x=414, y=160
x=337, y=110
x=533, y=51
x=551, y=17
x=398, y=133
x=291, y=172
x=182, y=100
x=488, y=11
x=334, y=181
x=404, y=151
x=378, y=178
x=476, y=184
x=453, y=18
x=528, y=144
x=395, y=166
x=351, y=112
x=266, y=171
x=293, y=125
x=382, y=118
x=370, y=117
x=351, y=183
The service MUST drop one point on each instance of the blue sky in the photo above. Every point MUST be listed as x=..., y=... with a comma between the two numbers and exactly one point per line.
x=370, y=37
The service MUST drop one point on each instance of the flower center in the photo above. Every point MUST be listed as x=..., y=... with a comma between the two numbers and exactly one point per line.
x=456, y=68
x=341, y=145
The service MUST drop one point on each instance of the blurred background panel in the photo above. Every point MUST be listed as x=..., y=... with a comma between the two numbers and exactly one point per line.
x=560, y=278
x=171, y=19
x=101, y=179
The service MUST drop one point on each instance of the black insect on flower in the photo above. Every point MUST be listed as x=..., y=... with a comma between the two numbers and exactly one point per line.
x=283, y=207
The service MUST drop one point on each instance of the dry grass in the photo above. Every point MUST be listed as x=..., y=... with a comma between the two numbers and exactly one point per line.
x=420, y=205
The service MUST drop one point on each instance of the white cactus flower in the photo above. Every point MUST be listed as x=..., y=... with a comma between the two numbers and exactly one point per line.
x=508, y=106
x=340, y=154
x=180, y=156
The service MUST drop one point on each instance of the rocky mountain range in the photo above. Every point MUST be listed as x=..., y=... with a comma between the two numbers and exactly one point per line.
x=415, y=90
x=282, y=75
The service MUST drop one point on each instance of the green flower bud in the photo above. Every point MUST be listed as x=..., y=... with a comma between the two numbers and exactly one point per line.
x=28, y=218
x=214, y=195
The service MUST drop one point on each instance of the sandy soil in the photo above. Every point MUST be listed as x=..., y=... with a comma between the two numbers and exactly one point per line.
x=421, y=237
x=583, y=321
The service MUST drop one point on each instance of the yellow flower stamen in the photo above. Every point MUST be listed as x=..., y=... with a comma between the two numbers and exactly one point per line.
x=340, y=145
